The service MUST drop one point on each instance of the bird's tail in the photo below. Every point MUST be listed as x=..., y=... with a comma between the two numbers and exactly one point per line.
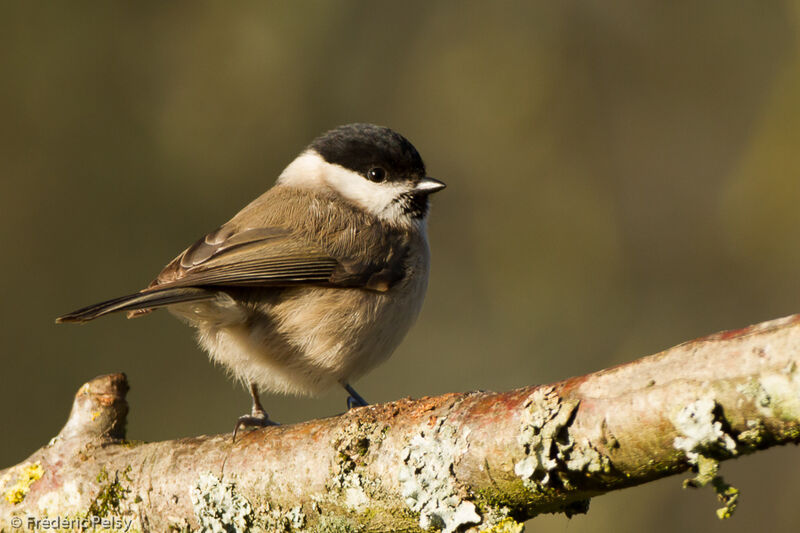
x=141, y=302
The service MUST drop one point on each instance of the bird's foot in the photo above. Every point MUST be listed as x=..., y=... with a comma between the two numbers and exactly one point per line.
x=257, y=419
x=355, y=399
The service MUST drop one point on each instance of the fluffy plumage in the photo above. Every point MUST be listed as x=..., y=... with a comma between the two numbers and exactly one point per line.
x=303, y=339
x=317, y=280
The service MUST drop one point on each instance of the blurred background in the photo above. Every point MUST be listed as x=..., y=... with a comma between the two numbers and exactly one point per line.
x=623, y=176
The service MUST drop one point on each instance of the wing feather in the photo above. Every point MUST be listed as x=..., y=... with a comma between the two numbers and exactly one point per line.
x=259, y=257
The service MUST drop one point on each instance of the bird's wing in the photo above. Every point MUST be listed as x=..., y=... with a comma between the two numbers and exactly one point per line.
x=271, y=256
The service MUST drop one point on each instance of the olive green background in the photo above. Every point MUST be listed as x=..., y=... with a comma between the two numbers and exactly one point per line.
x=622, y=176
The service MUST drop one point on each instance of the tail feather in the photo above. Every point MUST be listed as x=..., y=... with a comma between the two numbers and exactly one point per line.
x=140, y=301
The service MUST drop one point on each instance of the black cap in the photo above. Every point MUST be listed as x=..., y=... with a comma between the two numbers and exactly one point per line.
x=362, y=147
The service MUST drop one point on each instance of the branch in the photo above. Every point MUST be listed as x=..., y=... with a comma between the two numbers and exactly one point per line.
x=477, y=460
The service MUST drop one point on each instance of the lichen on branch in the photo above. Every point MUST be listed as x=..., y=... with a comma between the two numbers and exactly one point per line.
x=477, y=461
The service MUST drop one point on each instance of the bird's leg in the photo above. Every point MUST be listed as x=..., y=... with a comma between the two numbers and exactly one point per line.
x=355, y=399
x=257, y=417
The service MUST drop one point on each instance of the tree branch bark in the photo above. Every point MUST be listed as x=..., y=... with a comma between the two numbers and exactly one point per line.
x=480, y=460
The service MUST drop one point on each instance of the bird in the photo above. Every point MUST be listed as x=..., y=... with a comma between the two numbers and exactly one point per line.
x=316, y=281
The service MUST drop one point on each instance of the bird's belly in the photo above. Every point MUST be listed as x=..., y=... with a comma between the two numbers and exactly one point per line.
x=310, y=339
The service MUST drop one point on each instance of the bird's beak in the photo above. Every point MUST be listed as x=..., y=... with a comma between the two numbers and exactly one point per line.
x=429, y=186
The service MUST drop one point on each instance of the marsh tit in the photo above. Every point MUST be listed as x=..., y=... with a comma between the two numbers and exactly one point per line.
x=317, y=280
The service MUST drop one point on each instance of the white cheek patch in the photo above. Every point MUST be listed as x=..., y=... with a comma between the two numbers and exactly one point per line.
x=310, y=170
x=304, y=171
x=377, y=198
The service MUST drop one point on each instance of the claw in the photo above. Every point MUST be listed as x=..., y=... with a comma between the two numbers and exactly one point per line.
x=257, y=417
x=253, y=420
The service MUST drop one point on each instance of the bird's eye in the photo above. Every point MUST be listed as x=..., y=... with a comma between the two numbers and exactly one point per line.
x=376, y=174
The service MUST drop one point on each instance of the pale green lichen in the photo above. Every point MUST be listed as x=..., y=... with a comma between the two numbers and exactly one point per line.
x=506, y=525
x=29, y=473
x=296, y=517
x=427, y=482
x=776, y=393
x=353, y=445
x=218, y=507
x=783, y=391
x=352, y=485
x=753, y=436
x=548, y=446
x=274, y=518
x=543, y=418
x=337, y=524
x=728, y=495
x=701, y=431
x=707, y=473
x=754, y=390
x=702, y=438
x=496, y=519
